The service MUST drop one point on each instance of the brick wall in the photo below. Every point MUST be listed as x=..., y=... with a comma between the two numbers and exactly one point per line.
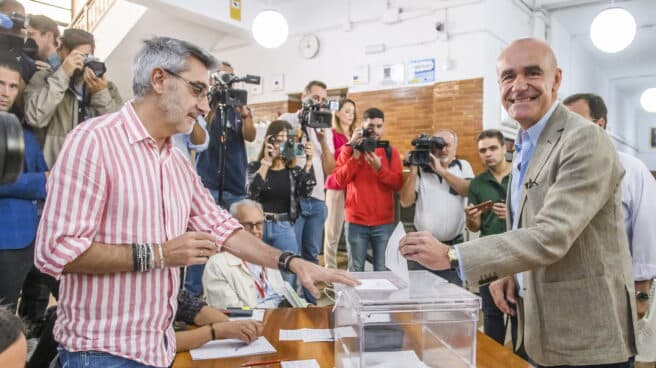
x=456, y=105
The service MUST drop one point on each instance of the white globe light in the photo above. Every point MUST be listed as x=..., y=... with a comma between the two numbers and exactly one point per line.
x=270, y=29
x=648, y=100
x=613, y=30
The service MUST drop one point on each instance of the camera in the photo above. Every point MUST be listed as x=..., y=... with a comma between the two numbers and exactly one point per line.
x=12, y=21
x=291, y=147
x=369, y=143
x=315, y=114
x=98, y=67
x=12, y=148
x=222, y=93
x=424, y=145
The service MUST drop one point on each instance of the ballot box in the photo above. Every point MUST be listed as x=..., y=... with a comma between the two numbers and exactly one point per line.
x=387, y=322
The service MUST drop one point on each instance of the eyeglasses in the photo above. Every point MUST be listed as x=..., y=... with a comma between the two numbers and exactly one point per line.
x=249, y=226
x=198, y=89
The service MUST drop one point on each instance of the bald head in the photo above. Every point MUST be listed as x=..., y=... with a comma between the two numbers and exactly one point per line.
x=529, y=79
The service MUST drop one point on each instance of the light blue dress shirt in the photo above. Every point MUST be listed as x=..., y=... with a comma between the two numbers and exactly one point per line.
x=184, y=144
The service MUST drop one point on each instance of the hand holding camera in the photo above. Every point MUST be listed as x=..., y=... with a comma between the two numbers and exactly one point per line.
x=94, y=83
x=74, y=61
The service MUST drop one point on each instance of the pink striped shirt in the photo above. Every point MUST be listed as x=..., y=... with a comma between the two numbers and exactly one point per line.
x=111, y=184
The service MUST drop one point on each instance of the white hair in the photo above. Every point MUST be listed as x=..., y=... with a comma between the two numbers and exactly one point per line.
x=234, y=208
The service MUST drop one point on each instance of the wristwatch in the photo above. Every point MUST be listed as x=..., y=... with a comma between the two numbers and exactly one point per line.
x=642, y=296
x=453, y=258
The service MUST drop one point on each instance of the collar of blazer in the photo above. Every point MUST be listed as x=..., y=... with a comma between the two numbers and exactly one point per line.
x=543, y=150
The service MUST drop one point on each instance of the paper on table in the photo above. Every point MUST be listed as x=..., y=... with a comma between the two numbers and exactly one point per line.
x=393, y=258
x=258, y=315
x=307, y=334
x=310, y=363
x=386, y=359
x=375, y=284
x=291, y=335
x=229, y=348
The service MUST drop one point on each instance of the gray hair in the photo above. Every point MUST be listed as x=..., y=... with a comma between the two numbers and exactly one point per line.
x=168, y=53
x=452, y=132
x=244, y=202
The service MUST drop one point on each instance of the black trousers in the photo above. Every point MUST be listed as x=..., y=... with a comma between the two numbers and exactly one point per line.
x=14, y=266
x=449, y=275
x=493, y=319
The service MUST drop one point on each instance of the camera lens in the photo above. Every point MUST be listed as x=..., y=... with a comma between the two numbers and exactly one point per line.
x=12, y=148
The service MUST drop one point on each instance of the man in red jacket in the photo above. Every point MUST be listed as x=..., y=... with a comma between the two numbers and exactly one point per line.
x=371, y=178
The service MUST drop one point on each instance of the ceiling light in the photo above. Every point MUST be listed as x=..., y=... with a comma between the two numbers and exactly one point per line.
x=270, y=29
x=648, y=100
x=613, y=30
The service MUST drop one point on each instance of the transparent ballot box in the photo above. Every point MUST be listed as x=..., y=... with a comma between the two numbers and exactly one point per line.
x=386, y=322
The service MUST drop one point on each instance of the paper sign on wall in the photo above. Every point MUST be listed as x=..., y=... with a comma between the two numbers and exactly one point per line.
x=235, y=10
x=421, y=71
x=360, y=75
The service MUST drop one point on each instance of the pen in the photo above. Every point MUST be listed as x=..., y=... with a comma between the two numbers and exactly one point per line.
x=250, y=364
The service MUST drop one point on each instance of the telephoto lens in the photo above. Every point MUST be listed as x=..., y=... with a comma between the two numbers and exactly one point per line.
x=12, y=148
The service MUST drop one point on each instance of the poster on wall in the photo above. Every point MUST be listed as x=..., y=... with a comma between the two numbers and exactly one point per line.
x=390, y=74
x=421, y=71
x=235, y=10
x=360, y=75
x=277, y=82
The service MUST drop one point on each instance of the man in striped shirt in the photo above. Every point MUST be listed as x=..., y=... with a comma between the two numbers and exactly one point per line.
x=115, y=225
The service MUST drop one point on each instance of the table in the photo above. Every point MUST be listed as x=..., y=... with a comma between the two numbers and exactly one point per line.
x=489, y=353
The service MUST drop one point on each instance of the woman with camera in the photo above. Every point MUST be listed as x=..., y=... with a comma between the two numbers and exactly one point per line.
x=344, y=123
x=277, y=183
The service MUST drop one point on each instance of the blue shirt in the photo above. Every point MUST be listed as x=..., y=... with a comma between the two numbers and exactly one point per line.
x=183, y=142
x=236, y=161
x=19, y=219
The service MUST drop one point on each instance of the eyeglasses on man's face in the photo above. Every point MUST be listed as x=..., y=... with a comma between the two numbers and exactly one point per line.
x=249, y=226
x=198, y=89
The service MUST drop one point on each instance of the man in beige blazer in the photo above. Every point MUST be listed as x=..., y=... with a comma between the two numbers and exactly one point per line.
x=230, y=282
x=568, y=248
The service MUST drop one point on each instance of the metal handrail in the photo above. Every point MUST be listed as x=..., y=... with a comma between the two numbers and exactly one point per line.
x=91, y=14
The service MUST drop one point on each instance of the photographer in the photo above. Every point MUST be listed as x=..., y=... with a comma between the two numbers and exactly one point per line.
x=278, y=184
x=12, y=37
x=222, y=163
x=45, y=33
x=444, y=182
x=309, y=225
x=18, y=200
x=371, y=175
x=60, y=100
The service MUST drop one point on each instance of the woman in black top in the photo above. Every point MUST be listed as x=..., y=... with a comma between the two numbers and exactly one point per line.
x=277, y=183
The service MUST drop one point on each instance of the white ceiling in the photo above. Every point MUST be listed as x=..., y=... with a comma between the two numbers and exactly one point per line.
x=631, y=69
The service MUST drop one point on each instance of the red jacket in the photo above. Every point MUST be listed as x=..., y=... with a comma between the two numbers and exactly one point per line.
x=369, y=193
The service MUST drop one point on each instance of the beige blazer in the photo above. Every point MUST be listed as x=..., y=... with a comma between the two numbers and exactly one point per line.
x=579, y=306
x=227, y=282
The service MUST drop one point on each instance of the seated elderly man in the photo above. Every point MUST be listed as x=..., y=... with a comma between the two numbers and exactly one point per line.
x=230, y=282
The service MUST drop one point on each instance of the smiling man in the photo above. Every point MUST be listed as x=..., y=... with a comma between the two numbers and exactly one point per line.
x=568, y=248
x=115, y=225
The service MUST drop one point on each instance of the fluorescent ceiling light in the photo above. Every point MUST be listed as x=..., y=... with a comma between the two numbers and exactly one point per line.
x=270, y=29
x=613, y=30
x=648, y=100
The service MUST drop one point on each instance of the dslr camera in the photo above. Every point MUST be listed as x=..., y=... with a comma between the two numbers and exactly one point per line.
x=222, y=93
x=369, y=143
x=315, y=114
x=13, y=41
x=424, y=145
x=290, y=148
x=12, y=148
x=98, y=67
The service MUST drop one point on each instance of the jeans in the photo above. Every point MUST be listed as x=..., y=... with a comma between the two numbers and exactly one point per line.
x=309, y=232
x=194, y=274
x=14, y=266
x=92, y=359
x=358, y=238
x=280, y=235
